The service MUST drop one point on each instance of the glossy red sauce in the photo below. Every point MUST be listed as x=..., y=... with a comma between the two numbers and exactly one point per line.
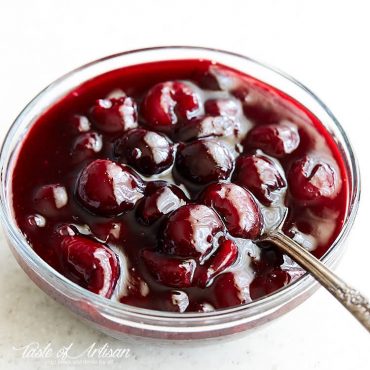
x=170, y=220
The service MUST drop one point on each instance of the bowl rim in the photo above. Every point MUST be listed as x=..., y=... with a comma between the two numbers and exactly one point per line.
x=267, y=302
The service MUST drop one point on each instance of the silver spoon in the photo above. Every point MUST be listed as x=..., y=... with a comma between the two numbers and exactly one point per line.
x=349, y=297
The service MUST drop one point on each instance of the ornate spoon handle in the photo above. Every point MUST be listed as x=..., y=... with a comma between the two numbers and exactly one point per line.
x=350, y=298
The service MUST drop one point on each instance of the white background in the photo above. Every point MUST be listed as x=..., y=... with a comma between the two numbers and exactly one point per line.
x=324, y=44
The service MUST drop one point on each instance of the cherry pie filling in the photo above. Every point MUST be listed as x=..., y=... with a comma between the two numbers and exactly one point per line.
x=152, y=184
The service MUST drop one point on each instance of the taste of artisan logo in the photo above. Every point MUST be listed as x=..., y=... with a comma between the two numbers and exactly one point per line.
x=103, y=354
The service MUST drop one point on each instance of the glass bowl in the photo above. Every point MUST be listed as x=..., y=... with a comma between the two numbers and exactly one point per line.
x=120, y=320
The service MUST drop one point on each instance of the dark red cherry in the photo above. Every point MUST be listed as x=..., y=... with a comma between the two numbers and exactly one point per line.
x=237, y=208
x=78, y=124
x=49, y=200
x=208, y=126
x=152, y=186
x=86, y=146
x=147, y=151
x=312, y=180
x=260, y=175
x=229, y=290
x=225, y=255
x=167, y=102
x=191, y=231
x=215, y=78
x=91, y=264
x=277, y=140
x=204, y=161
x=162, y=201
x=258, y=104
x=170, y=271
x=114, y=115
x=108, y=188
x=268, y=283
x=222, y=107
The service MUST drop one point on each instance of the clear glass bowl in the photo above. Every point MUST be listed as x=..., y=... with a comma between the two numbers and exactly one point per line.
x=120, y=320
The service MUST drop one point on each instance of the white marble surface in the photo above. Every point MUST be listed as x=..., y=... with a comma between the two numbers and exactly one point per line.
x=323, y=44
